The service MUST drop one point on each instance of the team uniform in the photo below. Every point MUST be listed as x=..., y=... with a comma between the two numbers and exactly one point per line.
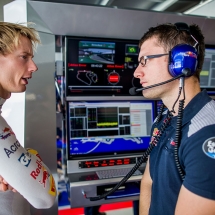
x=196, y=156
x=24, y=170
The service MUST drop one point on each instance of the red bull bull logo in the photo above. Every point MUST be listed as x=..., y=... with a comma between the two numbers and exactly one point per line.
x=40, y=168
x=45, y=177
x=34, y=152
x=190, y=54
x=52, y=189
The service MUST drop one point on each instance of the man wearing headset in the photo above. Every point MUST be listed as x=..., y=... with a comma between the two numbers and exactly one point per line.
x=183, y=181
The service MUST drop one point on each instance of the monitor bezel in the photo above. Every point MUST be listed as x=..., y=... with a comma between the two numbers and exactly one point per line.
x=210, y=90
x=108, y=154
x=96, y=39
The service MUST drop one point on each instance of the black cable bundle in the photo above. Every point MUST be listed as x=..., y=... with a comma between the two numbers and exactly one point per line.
x=178, y=137
x=142, y=159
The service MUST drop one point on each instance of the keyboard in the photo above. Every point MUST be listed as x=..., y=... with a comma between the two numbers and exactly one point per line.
x=115, y=173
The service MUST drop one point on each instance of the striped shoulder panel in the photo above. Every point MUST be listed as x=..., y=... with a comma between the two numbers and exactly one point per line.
x=205, y=117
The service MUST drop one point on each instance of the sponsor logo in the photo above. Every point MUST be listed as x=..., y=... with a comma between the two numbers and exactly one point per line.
x=7, y=132
x=13, y=148
x=209, y=147
x=36, y=172
x=44, y=178
x=155, y=132
x=190, y=54
x=172, y=142
x=34, y=152
x=25, y=159
x=40, y=168
x=52, y=189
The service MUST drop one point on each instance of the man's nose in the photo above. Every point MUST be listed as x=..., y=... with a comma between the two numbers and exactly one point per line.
x=34, y=67
x=137, y=72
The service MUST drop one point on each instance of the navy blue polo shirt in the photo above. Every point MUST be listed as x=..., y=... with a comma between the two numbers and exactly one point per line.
x=196, y=156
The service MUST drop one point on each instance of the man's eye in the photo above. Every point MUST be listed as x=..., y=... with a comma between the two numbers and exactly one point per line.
x=24, y=57
x=142, y=63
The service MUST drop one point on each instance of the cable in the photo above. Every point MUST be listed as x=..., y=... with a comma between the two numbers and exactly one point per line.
x=153, y=143
x=179, y=93
x=160, y=113
x=178, y=132
x=178, y=138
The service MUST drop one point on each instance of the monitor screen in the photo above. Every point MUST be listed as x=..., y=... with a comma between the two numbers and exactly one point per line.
x=207, y=75
x=100, y=67
x=99, y=128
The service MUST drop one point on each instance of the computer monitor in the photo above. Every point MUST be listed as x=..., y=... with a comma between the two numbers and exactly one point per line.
x=100, y=67
x=207, y=75
x=107, y=129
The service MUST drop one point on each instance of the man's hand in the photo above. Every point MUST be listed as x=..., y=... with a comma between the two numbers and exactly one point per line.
x=4, y=186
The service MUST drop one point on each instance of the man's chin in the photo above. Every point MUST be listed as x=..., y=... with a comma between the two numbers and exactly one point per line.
x=146, y=94
x=19, y=91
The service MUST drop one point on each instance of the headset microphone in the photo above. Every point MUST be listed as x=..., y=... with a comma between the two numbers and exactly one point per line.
x=134, y=90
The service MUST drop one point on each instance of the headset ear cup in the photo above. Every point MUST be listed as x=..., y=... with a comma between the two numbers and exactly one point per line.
x=171, y=66
x=183, y=60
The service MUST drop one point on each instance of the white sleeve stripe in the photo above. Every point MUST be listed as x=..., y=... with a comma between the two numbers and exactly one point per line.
x=203, y=118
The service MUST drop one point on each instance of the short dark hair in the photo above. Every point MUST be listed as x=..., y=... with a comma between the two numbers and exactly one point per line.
x=169, y=36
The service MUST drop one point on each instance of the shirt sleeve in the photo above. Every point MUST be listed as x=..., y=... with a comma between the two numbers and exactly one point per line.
x=24, y=170
x=198, y=159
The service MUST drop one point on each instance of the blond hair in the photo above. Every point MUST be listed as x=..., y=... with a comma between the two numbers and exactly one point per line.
x=10, y=34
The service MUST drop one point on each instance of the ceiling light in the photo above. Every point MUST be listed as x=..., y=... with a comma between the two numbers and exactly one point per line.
x=104, y=2
x=197, y=6
x=164, y=5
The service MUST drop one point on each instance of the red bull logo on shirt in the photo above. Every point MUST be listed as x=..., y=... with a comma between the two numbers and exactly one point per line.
x=45, y=177
x=6, y=132
x=155, y=133
x=36, y=172
x=172, y=142
x=52, y=189
x=34, y=152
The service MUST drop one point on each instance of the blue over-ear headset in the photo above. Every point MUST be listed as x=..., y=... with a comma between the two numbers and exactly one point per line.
x=183, y=58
